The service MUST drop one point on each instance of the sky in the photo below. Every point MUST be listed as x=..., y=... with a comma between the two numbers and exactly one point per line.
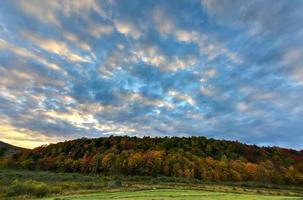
x=226, y=69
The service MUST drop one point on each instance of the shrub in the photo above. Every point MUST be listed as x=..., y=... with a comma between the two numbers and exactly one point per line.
x=114, y=184
x=32, y=188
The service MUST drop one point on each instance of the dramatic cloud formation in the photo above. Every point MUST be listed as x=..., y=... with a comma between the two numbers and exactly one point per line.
x=225, y=69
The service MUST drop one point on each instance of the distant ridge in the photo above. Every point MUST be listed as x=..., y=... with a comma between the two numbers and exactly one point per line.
x=8, y=149
x=193, y=157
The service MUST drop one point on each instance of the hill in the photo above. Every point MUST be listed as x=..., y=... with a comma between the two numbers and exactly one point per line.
x=8, y=149
x=194, y=157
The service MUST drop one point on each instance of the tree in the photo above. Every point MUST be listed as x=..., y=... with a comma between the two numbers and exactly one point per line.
x=197, y=157
x=251, y=170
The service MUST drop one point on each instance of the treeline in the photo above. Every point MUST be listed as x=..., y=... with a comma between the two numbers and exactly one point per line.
x=194, y=157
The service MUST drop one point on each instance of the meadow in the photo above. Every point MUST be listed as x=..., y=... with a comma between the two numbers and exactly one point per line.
x=21, y=184
x=175, y=194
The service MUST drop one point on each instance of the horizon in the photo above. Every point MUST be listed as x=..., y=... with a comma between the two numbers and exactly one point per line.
x=142, y=137
x=229, y=70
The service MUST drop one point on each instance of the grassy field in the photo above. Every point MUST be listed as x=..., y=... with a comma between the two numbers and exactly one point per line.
x=171, y=194
x=18, y=184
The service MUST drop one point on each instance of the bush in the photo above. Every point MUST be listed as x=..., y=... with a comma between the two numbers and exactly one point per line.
x=31, y=188
x=114, y=184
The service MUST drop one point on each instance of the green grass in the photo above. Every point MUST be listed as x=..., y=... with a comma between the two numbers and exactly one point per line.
x=21, y=184
x=171, y=194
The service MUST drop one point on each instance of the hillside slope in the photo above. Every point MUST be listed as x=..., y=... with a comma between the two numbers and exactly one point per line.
x=8, y=149
x=195, y=157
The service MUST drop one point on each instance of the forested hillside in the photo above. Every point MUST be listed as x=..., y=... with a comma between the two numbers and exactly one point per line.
x=194, y=157
x=7, y=149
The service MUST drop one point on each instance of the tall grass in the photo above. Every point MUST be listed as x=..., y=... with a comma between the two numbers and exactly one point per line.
x=29, y=184
x=30, y=188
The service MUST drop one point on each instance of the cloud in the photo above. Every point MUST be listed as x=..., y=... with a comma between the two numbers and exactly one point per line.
x=57, y=47
x=45, y=11
x=153, y=56
x=49, y=11
x=80, y=7
x=292, y=60
x=98, y=30
x=128, y=29
x=208, y=90
x=76, y=40
x=164, y=24
x=208, y=47
x=207, y=44
x=182, y=97
x=242, y=107
x=23, y=137
x=20, y=51
x=230, y=70
x=138, y=98
x=260, y=18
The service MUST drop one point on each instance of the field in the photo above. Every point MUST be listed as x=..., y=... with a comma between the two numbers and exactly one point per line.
x=172, y=194
x=19, y=184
